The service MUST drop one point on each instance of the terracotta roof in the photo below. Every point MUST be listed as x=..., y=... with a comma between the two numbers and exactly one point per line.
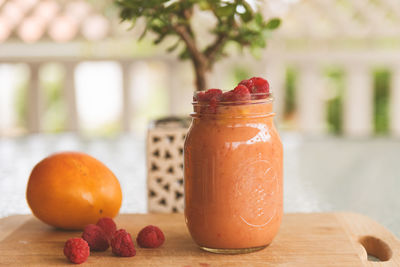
x=59, y=21
x=32, y=21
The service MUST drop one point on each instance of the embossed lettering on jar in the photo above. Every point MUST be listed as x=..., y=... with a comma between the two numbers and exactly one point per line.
x=233, y=176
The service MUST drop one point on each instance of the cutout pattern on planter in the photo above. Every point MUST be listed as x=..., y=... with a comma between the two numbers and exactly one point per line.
x=165, y=169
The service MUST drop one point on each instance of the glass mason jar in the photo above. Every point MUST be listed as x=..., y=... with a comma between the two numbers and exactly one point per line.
x=233, y=176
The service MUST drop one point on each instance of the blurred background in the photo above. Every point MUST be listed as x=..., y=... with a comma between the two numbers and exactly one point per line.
x=72, y=77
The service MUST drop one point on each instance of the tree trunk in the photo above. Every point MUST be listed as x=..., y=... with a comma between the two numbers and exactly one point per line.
x=201, y=76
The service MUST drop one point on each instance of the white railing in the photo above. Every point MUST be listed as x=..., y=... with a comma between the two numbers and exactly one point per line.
x=35, y=97
x=357, y=105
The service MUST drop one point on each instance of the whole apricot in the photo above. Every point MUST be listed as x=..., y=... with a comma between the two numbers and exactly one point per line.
x=70, y=190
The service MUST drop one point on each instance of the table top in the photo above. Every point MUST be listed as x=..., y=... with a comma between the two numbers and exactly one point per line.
x=304, y=239
x=320, y=174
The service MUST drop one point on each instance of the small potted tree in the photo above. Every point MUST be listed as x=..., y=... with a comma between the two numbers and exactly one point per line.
x=238, y=23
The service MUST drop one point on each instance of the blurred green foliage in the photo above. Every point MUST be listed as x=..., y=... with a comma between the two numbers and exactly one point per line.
x=336, y=78
x=21, y=107
x=382, y=79
x=155, y=106
x=290, y=92
x=240, y=73
x=55, y=116
x=334, y=107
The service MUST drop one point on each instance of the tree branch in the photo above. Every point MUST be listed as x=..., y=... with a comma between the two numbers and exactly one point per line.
x=187, y=14
x=200, y=62
x=182, y=31
x=212, y=50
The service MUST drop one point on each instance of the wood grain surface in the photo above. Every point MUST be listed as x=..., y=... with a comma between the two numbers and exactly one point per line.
x=316, y=239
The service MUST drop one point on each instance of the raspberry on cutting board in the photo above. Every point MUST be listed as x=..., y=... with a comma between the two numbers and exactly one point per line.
x=76, y=250
x=95, y=237
x=108, y=225
x=150, y=237
x=122, y=245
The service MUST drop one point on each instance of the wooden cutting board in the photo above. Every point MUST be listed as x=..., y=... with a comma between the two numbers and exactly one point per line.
x=316, y=239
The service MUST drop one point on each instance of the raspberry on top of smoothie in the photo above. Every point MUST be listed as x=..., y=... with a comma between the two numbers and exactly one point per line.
x=254, y=88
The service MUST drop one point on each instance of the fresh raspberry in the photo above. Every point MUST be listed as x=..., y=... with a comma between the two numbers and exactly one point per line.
x=76, y=250
x=150, y=237
x=260, y=85
x=248, y=83
x=199, y=96
x=122, y=244
x=257, y=85
x=208, y=95
x=95, y=237
x=213, y=93
x=108, y=225
x=228, y=96
x=212, y=96
x=241, y=93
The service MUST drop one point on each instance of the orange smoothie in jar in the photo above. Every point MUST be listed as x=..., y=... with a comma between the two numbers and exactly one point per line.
x=233, y=174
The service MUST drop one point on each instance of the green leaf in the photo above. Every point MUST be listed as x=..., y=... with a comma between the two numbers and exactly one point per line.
x=174, y=46
x=204, y=5
x=273, y=24
x=172, y=8
x=259, y=19
x=126, y=14
x=159, y=39
x=259, y=42
x=185, y=54
x=225, y=11
x=246, y=16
